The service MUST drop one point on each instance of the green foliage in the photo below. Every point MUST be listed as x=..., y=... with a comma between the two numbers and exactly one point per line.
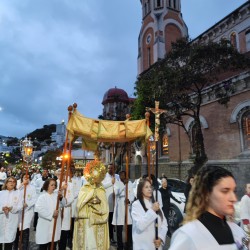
x=179, y=81
x=49, y=160
x=12, y=141
x=43, y=134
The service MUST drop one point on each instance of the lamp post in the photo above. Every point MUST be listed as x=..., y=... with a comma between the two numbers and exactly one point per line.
x=26, y=147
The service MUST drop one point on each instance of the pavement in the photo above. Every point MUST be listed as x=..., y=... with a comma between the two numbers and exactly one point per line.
x=33, y=245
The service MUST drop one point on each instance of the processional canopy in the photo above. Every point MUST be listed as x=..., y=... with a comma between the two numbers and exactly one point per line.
x=93, y=131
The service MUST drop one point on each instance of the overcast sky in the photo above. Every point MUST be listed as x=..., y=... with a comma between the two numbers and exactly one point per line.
x=57, y=52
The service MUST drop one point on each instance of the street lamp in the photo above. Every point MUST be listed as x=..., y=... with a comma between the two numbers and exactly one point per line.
x=26, y=151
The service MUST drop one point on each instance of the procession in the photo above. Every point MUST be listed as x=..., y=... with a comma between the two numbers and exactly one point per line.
x=101, y=208
x=153, y=149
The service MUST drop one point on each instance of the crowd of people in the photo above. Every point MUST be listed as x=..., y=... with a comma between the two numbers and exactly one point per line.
x=84, y=211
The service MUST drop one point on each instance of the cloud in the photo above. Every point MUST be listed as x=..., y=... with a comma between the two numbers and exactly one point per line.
x=55, y=53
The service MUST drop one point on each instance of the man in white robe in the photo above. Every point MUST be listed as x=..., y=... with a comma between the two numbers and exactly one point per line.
x=30, y=201
x=119, y=218
x=108, y=184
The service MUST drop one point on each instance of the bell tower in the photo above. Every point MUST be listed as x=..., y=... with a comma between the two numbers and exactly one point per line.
x=162, y=24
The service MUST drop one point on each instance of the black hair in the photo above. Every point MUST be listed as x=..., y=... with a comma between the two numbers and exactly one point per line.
x=46, y=184
x=141, y=184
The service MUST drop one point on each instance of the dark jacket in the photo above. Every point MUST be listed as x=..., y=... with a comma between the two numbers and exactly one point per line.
x=166, y=194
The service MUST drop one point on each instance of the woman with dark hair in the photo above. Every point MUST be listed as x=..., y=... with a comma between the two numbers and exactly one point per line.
x=47, y=213
x=211, y=200
x=28, y=206
x=10, y=204
x=144, y=212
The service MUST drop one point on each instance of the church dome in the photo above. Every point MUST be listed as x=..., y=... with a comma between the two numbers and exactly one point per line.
x=115, y=95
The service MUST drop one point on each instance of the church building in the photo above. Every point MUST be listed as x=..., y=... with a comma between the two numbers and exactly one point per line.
x=226, y=130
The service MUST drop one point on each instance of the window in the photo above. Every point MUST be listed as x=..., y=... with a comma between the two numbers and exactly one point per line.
x=233, y=39
x=147, y=7
x=158, y=3
x=174, y=4
x=170, y=3
x=246, y=130
x=165, y=146
x=149, y=57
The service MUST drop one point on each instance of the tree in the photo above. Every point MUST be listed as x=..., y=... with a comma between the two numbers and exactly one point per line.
x=49, y=160
x=180, y=80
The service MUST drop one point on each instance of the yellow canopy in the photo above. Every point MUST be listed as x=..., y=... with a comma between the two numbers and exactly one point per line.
x=93, y=131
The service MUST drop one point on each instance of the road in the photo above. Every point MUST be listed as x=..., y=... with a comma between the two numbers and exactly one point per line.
x=33, y=245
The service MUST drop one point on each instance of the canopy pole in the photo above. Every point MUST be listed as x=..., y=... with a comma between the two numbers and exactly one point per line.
x=147, y=115
x=128, y=146
x=70, y=109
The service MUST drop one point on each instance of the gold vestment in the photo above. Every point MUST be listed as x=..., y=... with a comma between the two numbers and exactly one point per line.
x=91, y=225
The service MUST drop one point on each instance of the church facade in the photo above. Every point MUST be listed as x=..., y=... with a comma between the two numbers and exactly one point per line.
x=226, y=130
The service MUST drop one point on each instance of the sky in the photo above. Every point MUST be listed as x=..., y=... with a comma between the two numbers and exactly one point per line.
x=54, y=53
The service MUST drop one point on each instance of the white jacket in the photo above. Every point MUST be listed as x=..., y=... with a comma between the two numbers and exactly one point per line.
x=30, y=200
x=143, y=227
x=45, y=206
x=9, y=223
x=195, y=236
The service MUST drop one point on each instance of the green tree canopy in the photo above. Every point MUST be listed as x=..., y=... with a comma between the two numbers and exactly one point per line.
x=180, y=80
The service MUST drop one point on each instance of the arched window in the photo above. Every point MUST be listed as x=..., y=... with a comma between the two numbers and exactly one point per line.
x=245, y=123
x=165, y=146
x=233, y=39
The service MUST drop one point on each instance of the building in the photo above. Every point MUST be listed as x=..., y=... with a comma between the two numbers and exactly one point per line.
x=162, y=24
x=116, y=105
x=226, y=131
x=59, y=136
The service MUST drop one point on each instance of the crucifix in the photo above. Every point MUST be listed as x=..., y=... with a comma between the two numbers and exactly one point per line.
x=157, y=112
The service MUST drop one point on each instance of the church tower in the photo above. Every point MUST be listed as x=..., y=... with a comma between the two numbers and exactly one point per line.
x=162, y=24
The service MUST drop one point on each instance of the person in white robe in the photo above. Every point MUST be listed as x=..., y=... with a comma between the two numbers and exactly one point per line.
x=245, y=210
x=47, y=213
x=38, y=185
x=145, y=211
x=28, y=206
x=119, y=219
x=10, y=205
x=108, y=184
x=211, y=201
x=66, y=210
x=76, y=181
